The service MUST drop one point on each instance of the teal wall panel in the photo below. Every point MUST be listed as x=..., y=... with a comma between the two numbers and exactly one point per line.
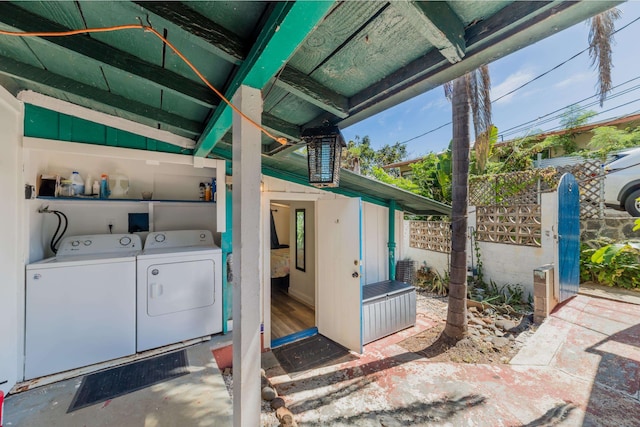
x=43, y=123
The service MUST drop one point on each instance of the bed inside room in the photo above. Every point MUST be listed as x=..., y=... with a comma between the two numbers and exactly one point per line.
x=291, y=309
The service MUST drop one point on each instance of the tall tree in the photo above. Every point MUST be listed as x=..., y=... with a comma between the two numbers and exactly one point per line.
x=470, y=92
x=456, y=326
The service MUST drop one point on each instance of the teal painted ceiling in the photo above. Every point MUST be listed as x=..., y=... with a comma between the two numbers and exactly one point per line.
x=314, y=61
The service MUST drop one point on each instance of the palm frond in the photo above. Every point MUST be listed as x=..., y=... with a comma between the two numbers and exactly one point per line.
x=600, y=49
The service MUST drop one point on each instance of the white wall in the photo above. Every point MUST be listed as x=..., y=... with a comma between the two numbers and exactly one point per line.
x=514, y=264
x=11, y=244
x=281, y=218
x=439, y=261
x=166, y=180
x=302, y=284
x=501, y=263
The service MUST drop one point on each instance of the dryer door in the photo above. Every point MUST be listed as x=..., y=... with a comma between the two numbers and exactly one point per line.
x=180, y=286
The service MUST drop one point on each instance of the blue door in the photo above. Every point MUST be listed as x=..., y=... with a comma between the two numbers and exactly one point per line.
x=568, y=236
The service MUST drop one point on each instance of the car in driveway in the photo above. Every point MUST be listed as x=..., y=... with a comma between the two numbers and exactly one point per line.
x=622, y=181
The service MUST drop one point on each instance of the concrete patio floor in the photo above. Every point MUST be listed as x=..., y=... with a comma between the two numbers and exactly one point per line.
x=581, y=368
x=197, y=399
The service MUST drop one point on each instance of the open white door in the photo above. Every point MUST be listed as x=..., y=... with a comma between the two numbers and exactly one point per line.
x=339, y=304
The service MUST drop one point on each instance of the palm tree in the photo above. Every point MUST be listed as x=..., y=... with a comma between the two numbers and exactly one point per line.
x=472, y=90
x=456, y=326
x=469, y=92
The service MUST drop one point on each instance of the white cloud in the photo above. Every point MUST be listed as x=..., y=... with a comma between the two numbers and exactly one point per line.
x=438, y=104
x=512, y=82
x=572, y=80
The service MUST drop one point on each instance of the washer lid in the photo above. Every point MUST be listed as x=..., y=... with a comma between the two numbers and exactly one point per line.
x=110, y=245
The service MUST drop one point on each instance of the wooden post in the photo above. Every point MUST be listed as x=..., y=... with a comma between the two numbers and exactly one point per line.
x=392, y=240
x=246, y=261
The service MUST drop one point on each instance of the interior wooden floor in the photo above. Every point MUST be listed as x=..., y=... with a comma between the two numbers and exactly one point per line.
x=288, y=315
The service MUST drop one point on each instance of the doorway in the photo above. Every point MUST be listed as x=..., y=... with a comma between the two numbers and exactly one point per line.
x=292, y=270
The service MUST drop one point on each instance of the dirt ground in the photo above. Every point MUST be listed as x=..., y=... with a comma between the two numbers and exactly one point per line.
x=493, y=338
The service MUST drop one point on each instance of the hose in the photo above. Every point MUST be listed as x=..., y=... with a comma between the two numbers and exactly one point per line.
x=55, y=239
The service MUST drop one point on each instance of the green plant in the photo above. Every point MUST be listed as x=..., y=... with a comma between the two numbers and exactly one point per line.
x=613, y=264
x=476, y=251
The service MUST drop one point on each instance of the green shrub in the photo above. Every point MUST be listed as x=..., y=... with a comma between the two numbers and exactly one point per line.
x=616, y=264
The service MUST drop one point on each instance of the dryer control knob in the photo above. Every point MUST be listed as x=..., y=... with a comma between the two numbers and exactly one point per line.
x=124, y=241
x=155, y=272
x=87, y=242
x=160, y=238
x=202, y=235
x=75, y=243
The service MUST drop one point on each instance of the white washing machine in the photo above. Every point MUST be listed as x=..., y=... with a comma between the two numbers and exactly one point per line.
x=179, y=288
x=81, y=304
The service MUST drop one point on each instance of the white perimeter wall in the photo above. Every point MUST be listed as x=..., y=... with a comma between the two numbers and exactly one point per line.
x=12, y=242
x=438, y=261
x=502, y=263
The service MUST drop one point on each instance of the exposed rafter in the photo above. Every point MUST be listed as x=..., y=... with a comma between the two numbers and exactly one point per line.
x=142, y=112
x=235, y=49
x=482, y=38
x=226, y=44
x=286, y=27
x=23, y=20
x=313, y=92
x=439, y=24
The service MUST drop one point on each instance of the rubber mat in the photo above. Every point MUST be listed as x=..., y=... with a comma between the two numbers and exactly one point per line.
x=310, y=353
x=121, y=380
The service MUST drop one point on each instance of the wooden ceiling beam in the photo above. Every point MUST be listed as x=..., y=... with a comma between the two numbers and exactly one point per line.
x=144, y=113
x=306, y=88
x=226, y=44
x=438, y=23
x=510, y=29
x=291, y=80
x=286, y=27
x=104, y=54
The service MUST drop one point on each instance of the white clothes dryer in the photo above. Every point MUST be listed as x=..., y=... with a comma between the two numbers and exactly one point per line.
x=179, y=288
x=81, y=304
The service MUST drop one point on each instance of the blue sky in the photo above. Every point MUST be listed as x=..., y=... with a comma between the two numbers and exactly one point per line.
x=568, y=84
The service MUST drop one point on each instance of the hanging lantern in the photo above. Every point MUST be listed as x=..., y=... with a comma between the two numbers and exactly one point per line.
x=324, y=150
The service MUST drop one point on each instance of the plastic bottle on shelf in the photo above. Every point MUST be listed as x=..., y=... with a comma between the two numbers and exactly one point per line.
x=104, y=186
x=95, y=190
x=214, y=190
x=207, y=192
x=87, y=186
x=77, y=184
x=202, y=190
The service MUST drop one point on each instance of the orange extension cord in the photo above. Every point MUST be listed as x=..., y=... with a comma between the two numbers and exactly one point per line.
x=150, y=29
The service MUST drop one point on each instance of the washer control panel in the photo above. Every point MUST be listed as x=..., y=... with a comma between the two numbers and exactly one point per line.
x=96, y=244
x=179, y=239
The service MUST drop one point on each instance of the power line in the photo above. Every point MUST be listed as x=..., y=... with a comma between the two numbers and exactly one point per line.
x=597, y=114
x=572, y=104
x=524, y=127
x=524, y=84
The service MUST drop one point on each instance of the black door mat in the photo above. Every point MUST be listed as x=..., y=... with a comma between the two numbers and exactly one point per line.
x=310, y=353
x=118, y=381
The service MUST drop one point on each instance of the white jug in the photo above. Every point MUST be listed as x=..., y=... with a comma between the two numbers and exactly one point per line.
x=119, y=185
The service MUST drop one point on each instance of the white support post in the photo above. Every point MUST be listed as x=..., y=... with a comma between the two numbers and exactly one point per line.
x=246, y=263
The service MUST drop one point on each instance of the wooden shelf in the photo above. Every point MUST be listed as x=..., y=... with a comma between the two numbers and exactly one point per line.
x=96, y=199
